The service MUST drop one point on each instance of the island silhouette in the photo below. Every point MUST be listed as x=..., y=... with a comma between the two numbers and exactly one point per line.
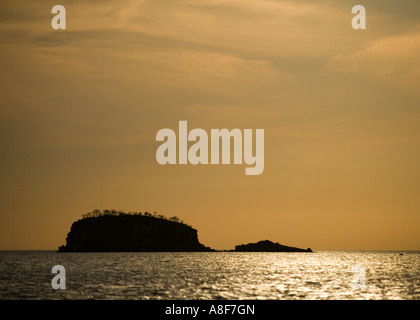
x=117, y=231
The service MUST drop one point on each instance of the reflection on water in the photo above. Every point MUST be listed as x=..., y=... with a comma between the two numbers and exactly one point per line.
x=212, y=275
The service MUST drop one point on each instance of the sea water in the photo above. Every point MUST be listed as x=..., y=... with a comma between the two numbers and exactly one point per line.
x=212, y=275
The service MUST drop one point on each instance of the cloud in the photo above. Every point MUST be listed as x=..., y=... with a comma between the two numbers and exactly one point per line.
x=391, y=60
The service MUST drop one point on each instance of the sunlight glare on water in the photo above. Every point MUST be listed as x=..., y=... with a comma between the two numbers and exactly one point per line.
x=211, y=275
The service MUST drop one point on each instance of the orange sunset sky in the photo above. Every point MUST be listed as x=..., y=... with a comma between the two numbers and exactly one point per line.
x=80, y=109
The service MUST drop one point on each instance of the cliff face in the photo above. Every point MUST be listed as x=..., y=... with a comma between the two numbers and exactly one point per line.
x=130, y=233
x=268, y=246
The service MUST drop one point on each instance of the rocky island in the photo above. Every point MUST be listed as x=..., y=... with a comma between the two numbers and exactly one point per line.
x=117, y=231
x=121, y=232
x=268, y=246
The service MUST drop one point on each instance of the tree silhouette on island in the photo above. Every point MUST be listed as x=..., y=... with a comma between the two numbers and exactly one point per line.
x=118, y=231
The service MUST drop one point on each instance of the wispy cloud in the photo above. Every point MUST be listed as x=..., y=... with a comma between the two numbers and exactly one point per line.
x=393, y=60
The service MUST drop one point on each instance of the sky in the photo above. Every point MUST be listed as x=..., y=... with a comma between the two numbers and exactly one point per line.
x=80, y=109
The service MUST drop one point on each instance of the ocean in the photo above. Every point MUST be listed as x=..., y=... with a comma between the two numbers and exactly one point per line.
x=328, y=275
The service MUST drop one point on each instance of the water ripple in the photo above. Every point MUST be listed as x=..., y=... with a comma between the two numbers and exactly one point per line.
x=210, y=275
